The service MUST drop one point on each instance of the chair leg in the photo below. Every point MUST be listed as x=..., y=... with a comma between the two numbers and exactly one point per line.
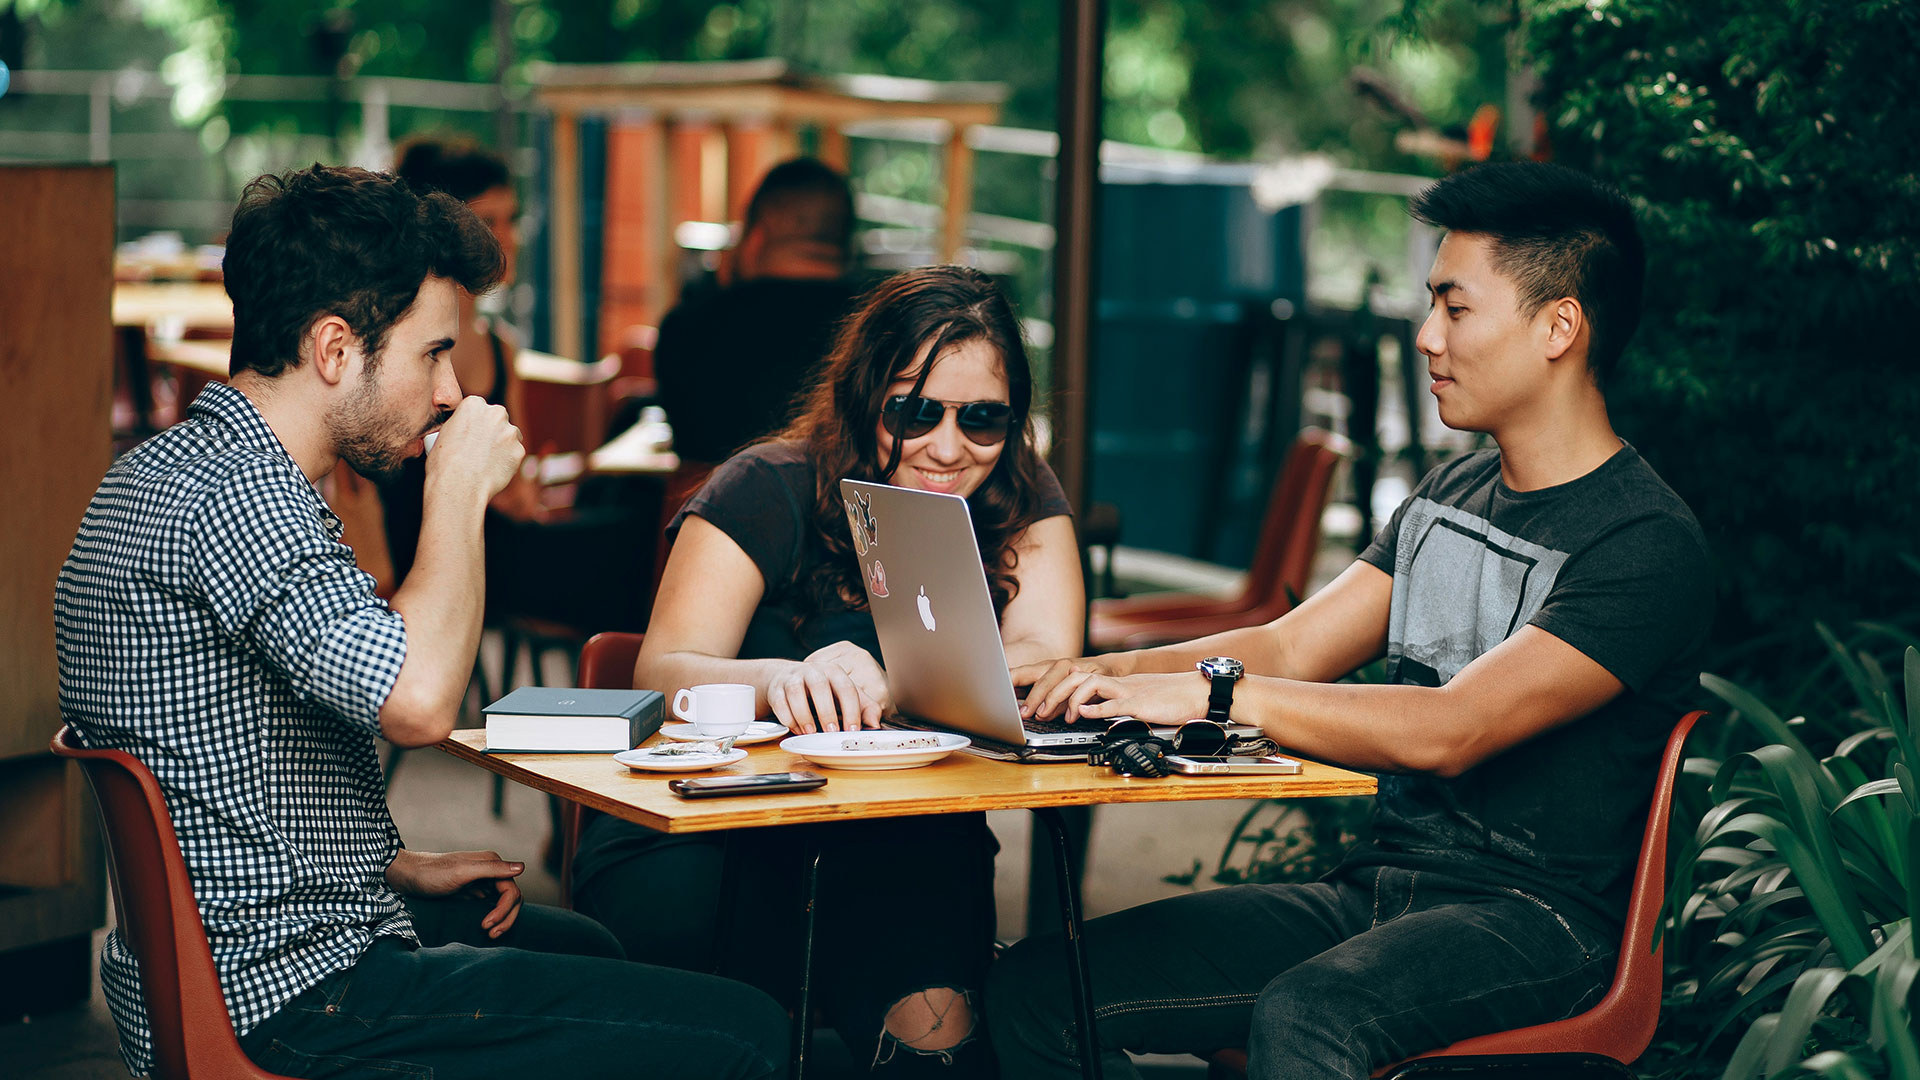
x=480, y=680
x=509, y=657
x=509, y=660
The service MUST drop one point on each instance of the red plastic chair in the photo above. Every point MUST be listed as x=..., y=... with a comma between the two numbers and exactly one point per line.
x=159, y=921
x=1283, y=562
x=606, y=663
x=1605, y=1039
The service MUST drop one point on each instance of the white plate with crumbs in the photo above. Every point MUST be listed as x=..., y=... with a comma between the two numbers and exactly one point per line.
x=874, y=749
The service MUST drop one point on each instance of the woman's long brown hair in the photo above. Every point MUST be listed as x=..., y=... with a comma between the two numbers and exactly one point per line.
x=944, y=306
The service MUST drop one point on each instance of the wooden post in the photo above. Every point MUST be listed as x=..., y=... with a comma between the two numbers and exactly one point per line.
x=663, y=270
x=834, y=150
x=747, y=161
x=953, y=235
x=564, y=239
x=1076, y=217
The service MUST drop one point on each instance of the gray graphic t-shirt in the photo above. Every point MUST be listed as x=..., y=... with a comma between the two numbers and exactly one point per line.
x=1613, y=564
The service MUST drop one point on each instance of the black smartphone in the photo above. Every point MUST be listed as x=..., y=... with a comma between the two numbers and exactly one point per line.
x=1231, y=766
x=711, y=787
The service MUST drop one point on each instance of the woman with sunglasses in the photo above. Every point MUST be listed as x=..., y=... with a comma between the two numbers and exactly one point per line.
x=927, y=387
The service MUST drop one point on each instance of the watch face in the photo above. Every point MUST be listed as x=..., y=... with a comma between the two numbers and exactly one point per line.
x=1222, y=667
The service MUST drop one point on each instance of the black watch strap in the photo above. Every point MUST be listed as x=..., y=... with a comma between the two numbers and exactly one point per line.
x=1220, y=698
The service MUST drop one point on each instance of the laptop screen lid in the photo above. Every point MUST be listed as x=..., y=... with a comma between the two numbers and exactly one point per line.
x=932, y=610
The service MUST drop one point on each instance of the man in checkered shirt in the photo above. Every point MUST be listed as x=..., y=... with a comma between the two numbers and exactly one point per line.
x=211, y=623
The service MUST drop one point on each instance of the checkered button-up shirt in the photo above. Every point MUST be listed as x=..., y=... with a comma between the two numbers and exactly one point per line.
x=211, y=623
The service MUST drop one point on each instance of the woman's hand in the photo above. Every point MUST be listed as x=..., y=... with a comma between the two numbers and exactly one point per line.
x=1051, y=682
x=838, y=688
x=479, y=874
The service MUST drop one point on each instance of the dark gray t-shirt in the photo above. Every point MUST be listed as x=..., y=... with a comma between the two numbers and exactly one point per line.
x=762, y=498
x=1612, y=563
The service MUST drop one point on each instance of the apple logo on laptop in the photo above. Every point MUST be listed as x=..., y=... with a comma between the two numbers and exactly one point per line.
x=926, y=608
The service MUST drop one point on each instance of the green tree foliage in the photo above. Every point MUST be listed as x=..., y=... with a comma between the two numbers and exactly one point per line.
x=1773, y=147
x=1228, y=77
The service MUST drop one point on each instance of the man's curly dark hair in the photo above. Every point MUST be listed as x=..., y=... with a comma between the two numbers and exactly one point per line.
x=341, y=241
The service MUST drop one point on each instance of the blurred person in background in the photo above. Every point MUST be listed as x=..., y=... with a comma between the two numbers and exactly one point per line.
x=733, y=362
x=572, y=566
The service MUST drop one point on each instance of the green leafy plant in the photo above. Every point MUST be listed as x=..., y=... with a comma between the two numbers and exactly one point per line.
x=1805, y=874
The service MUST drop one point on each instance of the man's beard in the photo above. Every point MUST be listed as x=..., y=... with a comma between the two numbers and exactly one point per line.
x=375, y=445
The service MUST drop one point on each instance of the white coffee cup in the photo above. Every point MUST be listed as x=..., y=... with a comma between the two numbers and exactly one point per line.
x=716, y=710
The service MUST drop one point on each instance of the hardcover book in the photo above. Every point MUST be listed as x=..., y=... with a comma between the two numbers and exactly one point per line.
x=560, y=719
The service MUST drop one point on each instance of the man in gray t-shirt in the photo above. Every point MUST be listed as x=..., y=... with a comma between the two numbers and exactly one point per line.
x=1541, y=609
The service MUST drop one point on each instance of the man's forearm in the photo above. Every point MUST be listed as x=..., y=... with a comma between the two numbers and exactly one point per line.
x=441, y=601
x=1526, y=685
x=1359, y=725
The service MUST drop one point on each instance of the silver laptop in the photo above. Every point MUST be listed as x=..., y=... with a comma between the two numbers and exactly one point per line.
x=939, y=636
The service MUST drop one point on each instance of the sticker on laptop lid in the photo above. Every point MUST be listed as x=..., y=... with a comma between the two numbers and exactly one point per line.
x=877, y=578
x=867, y=520
x=853, y=523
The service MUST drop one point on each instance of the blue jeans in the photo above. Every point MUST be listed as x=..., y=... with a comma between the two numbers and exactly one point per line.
x=454, y=1009
x=1332, y=979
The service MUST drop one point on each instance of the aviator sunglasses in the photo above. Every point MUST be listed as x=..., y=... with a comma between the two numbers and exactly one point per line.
x=1131, y=748
x=984, y=423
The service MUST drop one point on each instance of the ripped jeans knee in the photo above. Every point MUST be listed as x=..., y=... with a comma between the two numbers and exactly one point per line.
x=934, y=1022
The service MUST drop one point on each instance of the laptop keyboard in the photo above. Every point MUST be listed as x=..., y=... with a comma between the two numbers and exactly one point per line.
x=1058, y=726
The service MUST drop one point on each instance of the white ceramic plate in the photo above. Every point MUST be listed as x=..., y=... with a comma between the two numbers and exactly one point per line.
x=644, y=759
x=874, y=749
x=757, y=732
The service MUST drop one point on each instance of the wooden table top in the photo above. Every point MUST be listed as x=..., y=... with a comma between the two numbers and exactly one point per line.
x=959, y=782
x=633, y=451
x=184, y=304
x=210, y=358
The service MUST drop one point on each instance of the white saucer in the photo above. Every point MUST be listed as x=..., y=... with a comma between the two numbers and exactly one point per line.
x=757, y=732
x=644, y=759
x=874, y=749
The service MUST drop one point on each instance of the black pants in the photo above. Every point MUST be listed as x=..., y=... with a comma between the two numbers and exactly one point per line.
x=1332, y=979
x=905, y=904
x=460, y=1005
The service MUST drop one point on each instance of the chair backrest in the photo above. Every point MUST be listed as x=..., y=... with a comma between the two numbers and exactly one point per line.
x=1622, y=1024
x=563, y=403
x=606, y=660
x=159, y=920
x=635, y=346
x=1290, y=530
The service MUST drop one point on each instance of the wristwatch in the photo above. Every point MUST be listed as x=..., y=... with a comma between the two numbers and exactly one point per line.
x=1224, y=671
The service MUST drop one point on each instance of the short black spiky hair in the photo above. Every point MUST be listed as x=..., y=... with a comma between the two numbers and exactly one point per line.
x=341, y=241
x=454, y=164
x=1556, y=232
x=804, y=199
